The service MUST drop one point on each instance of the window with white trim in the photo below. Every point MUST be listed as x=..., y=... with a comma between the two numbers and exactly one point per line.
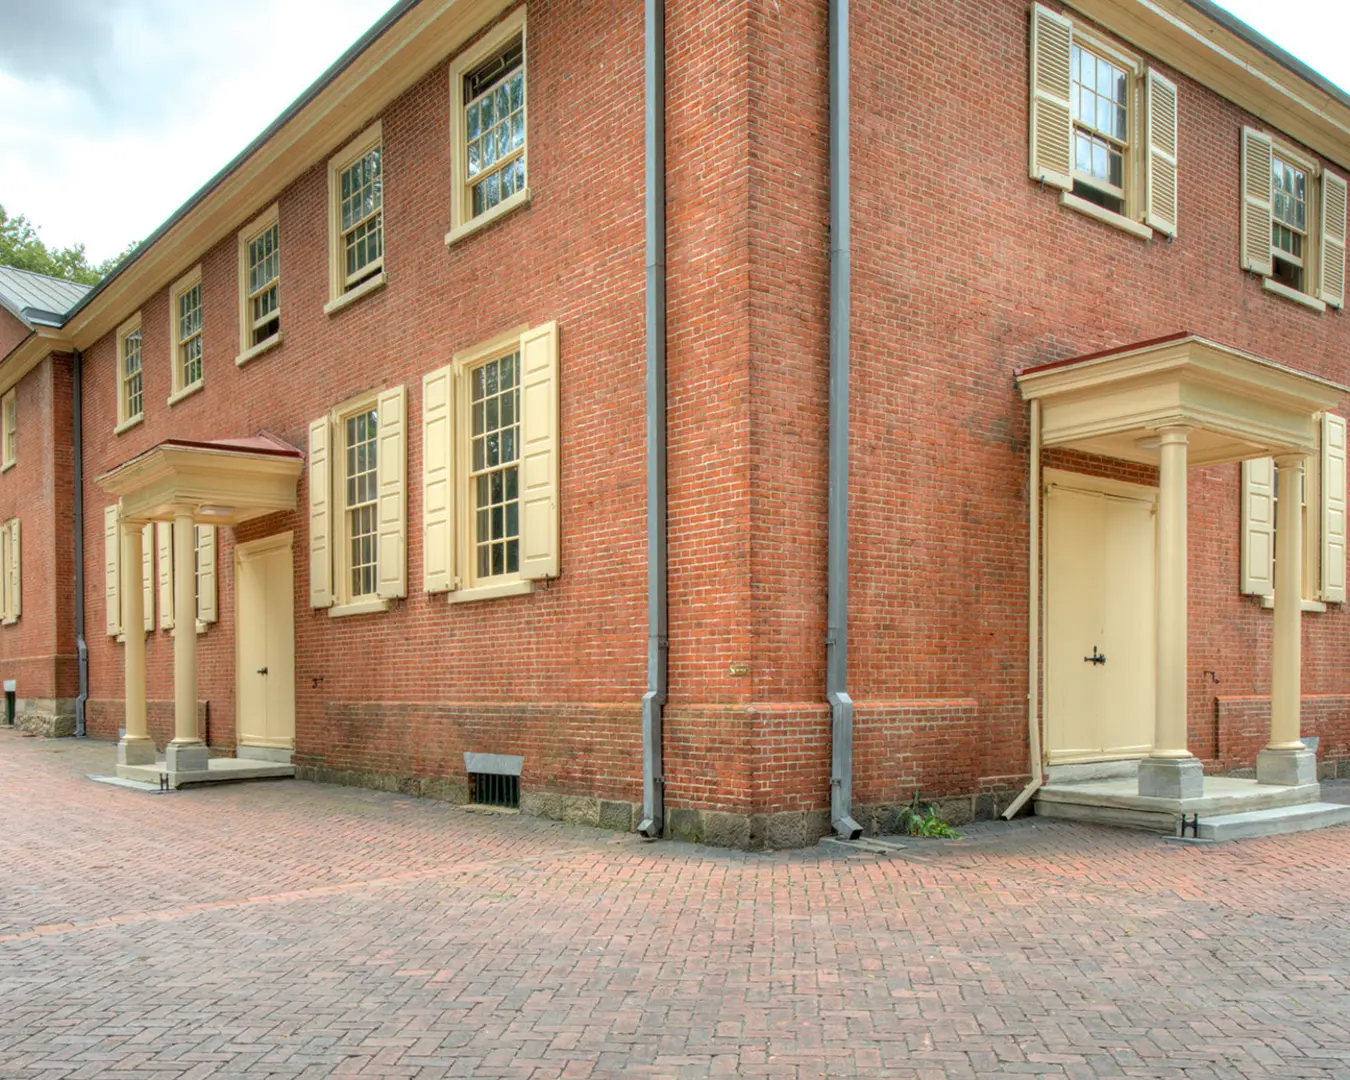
x=490, y=467
x=1103, y=127
x=358, y=504
x=1293, y=222
x=10, y=566
x=9, y=416
x=259, y=282
x=130, y=386
x=185, y=330
x=356, y=213
x=1322, y=510
x=488, y=126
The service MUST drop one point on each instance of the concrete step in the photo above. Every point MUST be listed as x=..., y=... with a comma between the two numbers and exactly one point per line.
x=1274, y=822
x=218, y=771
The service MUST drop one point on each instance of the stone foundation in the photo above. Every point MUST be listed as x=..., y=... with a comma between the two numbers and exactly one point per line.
x=51, y=718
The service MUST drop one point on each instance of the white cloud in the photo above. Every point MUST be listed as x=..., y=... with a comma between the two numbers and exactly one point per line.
x=1315, y=31
x=114, y=112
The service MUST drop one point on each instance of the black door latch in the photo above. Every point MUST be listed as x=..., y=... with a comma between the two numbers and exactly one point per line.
x=1096, y=657
x=262, y=671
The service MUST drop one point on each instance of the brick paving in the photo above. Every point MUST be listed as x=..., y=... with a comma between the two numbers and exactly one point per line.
x=299, y=930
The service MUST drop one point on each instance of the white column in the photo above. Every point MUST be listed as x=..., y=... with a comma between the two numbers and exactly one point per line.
x=187, y=752
x=1171, y=771
x=135, y=747
x=1286, y=760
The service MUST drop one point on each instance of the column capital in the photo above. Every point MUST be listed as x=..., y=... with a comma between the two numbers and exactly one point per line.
x=1175, y=434
x=1291, y=460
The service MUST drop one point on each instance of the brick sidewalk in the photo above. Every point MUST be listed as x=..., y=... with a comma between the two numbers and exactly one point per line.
x=299, y=930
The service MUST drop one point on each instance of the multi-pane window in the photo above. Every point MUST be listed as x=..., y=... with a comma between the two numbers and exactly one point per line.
x=494, y=128
x=188, y=336
x=132, y=398
x=1099, y=101
x=264, y=275
x=360, y=210
x=494, y=480
x=1289, y=225
x=360, y=433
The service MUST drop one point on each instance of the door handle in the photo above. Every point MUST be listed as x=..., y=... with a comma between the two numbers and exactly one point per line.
x=262, y=671
x=1097, y=658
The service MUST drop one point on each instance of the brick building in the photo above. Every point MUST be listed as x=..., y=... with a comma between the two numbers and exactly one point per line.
x=736, y=470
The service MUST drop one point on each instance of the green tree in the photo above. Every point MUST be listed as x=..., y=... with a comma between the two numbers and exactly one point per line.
x=20, y=246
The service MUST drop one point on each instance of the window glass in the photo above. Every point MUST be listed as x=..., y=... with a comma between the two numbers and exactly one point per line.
x=190, y=336
x=131, y=374
x=1099, y=101
x=264, y=272
x=494, y=119
x=362, y=203
x=495, y=470
x=360, y=431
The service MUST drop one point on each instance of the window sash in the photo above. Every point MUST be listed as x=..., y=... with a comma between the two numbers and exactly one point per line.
x=495, y=142
x=494, y=467
x=1110, y=140
x=132, y=397
x=360, y=500
x=264, y=276
x=189, y=335
x=360, y=213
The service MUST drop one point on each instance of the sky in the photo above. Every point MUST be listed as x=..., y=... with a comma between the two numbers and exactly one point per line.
x=113, y=112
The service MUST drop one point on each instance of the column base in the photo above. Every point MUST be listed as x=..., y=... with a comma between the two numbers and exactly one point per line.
x=1171, y=778
x=1288, y=768
x=134, y=751
x=187, y=757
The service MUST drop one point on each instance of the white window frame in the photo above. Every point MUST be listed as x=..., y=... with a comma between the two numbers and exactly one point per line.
x=126, y=419
x=462, y=220
x=345, y=602
x=9, y=429
x=1132, y=174
x=248, y=349
x=181, y=389
x=9, y=602
x=339, y=295
x=1312, y=270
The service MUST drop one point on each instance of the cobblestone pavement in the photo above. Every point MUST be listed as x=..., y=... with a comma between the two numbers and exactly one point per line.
x=297, y=930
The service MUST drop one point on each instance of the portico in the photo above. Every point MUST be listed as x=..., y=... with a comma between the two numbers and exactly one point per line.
x=222, y=483
x=1178, y=403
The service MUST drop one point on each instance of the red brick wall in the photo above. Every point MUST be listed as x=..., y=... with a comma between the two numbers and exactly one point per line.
x=965, y=271
x=573, y=650
x=38, y=650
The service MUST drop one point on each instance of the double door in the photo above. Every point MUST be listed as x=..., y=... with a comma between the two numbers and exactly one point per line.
x=1101, y=625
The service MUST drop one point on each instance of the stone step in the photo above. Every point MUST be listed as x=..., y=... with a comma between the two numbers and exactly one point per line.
x=1274, y=822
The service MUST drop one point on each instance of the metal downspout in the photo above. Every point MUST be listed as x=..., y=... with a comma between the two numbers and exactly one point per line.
x=77, y=439
x=658, y=643
x=841, y=273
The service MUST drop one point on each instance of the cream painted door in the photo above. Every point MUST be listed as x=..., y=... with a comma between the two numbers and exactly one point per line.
x=1100, y=601
x=265, y=617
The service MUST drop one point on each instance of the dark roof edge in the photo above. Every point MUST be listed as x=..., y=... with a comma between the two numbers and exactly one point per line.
x=1263, y=44
x=364, y=42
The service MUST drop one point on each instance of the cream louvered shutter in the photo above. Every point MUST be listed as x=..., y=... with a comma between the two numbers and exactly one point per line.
x=1257, y=198
x=1333, y=239
x=539, y=452
x=1161, y=120
x=148, y=574
x=15, y=571
x=164, y=544
x=438, y=481
x=1258, y=527
x=1051, y=118
x=391, y=469
x=1333, y=508
x=206, y=573
x=320, y=516
x=112, y=572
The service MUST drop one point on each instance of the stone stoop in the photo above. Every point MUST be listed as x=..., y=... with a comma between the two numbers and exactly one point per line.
x=218, y=771
x=1274, y=822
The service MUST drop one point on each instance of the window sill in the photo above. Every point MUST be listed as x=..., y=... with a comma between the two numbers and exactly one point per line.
x=483, y=220
x=7, y=466
x=1272, y=286
x=1108, y=217
x=9, y=622
x=127, y=425
x=186, y=392
x=257, y=350
x=1316, y=606
x=364, y=289
x=202, y=627
x=358, y=607
x=492, y=592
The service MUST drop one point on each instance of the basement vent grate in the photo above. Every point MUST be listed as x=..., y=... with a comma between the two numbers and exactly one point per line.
x=494, y=789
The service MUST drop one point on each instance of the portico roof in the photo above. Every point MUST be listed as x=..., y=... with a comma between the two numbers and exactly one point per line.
x=220, y=482
x=1238, y=405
